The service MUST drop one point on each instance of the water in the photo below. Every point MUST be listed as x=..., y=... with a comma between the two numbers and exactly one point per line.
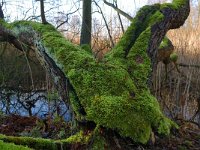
x=33, y=104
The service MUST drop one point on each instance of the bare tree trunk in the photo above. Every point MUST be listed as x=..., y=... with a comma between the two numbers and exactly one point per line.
x=44, y=21
x=86, y=23
x=1, y=11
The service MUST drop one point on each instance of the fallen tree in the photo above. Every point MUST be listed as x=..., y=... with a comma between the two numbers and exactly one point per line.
x=114, y=93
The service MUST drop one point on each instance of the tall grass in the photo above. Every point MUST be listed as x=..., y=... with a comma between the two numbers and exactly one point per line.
x=179, y=93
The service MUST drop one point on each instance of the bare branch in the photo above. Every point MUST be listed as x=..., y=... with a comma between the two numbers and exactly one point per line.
x=110, y=36
x=67, y=18
x=118, y=10
x=120, y=20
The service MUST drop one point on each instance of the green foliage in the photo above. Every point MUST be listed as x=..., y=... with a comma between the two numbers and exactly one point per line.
x=11, y=146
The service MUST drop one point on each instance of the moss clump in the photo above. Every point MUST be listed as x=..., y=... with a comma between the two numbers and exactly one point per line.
x=36, y=143
x=166, y=43
x=79, y=137
x=99, y=143
x=93, y=139
x=87, y=48
x=175, y=5
x=144, y=18
x=11, y=146
x=174, y=57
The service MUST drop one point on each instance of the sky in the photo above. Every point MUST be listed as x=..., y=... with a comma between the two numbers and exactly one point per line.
x=23, y=9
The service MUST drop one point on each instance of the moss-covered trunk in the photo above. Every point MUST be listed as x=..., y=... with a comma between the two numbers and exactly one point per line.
x=112, y=94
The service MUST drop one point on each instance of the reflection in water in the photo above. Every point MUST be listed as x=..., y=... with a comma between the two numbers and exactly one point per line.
x=36, y=103
x=43, y=105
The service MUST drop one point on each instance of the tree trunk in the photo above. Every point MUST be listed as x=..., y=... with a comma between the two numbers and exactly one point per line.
x=44, y=21
x=1, y=12
x=86, y=23
x=112, y=95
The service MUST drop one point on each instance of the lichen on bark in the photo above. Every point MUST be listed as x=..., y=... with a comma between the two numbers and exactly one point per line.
x=114, y=93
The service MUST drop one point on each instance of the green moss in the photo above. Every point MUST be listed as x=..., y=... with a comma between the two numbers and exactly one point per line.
x=176, y=4
x=111, y=94
x=165, y=125
x=11, y=146
x=114, y=92
x=99, y=143
x=2, y=22
x=174, y=57
x=36, y=143
x=144, y=18
x=87, y=48
x=165, y=43
x=79, y=137
x=52, y=95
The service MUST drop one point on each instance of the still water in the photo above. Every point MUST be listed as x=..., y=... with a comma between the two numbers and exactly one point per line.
x=30, y=104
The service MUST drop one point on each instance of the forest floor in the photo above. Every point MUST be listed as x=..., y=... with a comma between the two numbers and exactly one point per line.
x=187, y=137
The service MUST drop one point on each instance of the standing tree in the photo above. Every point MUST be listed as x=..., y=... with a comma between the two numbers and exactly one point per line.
x=42, y=12
x=1, y=10
x=111, y=96
x=86, y=23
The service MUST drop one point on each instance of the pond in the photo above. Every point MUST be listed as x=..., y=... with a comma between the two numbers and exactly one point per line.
x=37, y=103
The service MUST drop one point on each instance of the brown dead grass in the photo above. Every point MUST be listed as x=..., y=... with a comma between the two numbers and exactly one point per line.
x=179, y=93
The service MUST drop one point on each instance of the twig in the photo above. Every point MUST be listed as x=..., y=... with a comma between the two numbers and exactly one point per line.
x=118, y=10
x=186, y=65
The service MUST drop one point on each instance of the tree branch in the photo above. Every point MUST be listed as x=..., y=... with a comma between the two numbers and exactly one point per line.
x=67, y=16
x=101, y=12
x=118, y=10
